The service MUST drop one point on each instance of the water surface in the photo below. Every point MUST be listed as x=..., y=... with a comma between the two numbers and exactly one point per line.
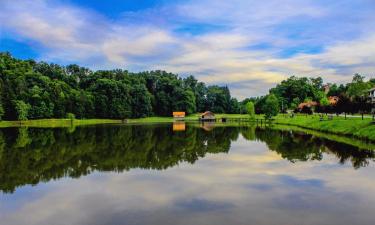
x=193, y=174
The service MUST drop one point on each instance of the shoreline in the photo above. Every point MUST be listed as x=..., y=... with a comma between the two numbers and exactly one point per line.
x=351, y=127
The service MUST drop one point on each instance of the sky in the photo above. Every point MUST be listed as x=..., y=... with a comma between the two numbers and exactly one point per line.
x=249, y=45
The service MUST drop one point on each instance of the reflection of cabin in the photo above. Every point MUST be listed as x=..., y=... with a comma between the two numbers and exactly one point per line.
x=179, y=115
x=208, y=126
x=179, y=126
x=208, y=116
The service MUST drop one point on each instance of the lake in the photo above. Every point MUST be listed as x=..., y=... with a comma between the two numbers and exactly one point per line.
x=182, y=174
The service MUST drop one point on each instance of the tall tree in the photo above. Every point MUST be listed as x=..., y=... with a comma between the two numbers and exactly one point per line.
x=271, y=106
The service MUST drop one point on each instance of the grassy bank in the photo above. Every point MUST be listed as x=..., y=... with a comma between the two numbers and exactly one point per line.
x=56, y=122
x=192, y=117
x=355, y=127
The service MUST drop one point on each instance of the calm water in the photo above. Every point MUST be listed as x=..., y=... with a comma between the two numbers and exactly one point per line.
x=151, y=174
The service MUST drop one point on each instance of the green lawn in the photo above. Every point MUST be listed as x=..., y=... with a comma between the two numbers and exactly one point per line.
x=56, y=122
x=356, y=127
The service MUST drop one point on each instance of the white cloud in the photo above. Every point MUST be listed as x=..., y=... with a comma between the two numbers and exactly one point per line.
x=68, y=34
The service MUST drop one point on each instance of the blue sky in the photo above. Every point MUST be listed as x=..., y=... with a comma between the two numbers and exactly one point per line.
x=248, y=45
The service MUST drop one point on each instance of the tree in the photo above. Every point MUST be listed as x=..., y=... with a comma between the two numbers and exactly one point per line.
x=358, y=87
x=357, y=91
x=297, y=88
x=141, y=101
x=1, y=111
x=250, y=109
x=271, y=106
x=22, y=109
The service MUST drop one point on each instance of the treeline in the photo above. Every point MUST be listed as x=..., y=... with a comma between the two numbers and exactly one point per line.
x=290, y=93
x=34, y=90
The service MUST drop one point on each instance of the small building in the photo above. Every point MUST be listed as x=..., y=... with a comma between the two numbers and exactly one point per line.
x=372, y=99
x=179, y=115
x=372, y=95
x=333, y=100
x=207, y=116
x=326, y=88
x=308, y=104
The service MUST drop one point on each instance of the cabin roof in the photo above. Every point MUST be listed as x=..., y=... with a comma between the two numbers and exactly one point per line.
x=178, y=113
x=333, y=100
x=208, y=113
x=307, y=104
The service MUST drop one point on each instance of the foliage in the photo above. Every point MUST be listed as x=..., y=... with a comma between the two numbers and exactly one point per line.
x=294, y=90
x=22, y=109
x=53, y=91
x=1, y=111
x=271, y=106
x=250, y=109
x=70, y=116
x=358, y=87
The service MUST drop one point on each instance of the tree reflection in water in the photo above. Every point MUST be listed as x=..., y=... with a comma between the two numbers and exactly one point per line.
x=31, y=155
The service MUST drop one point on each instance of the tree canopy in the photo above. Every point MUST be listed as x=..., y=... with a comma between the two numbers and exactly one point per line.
x=33, y=90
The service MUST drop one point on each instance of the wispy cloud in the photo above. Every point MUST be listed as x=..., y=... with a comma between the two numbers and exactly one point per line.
x=248, y=45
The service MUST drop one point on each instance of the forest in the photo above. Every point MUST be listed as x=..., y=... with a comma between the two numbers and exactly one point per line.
x=35, y=90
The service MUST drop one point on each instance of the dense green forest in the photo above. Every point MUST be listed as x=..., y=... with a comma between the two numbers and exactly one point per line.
x=33, y=90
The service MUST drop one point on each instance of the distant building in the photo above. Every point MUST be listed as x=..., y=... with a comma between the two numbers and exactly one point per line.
x=208, y=116
x=308, y=104
x=372, y=95
x=179, y=115
x=326, y=88
x=333, y=100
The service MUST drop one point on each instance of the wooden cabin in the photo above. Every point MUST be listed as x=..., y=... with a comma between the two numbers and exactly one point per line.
x=207, y=116
x=179, y=115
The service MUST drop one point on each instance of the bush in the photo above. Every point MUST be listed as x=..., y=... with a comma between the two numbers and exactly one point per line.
x=250, y=109
x=22, y=109
x=70, y=116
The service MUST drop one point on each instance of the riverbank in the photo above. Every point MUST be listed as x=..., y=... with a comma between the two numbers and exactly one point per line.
x=56, y=122
x=352, y=127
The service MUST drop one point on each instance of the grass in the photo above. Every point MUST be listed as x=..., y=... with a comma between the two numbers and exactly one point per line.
x=353, y=127
x=56, y=122
x=330, y=136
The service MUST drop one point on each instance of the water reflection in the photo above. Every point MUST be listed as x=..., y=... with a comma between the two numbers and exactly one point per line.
x=157, y=175
x=29, y=156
